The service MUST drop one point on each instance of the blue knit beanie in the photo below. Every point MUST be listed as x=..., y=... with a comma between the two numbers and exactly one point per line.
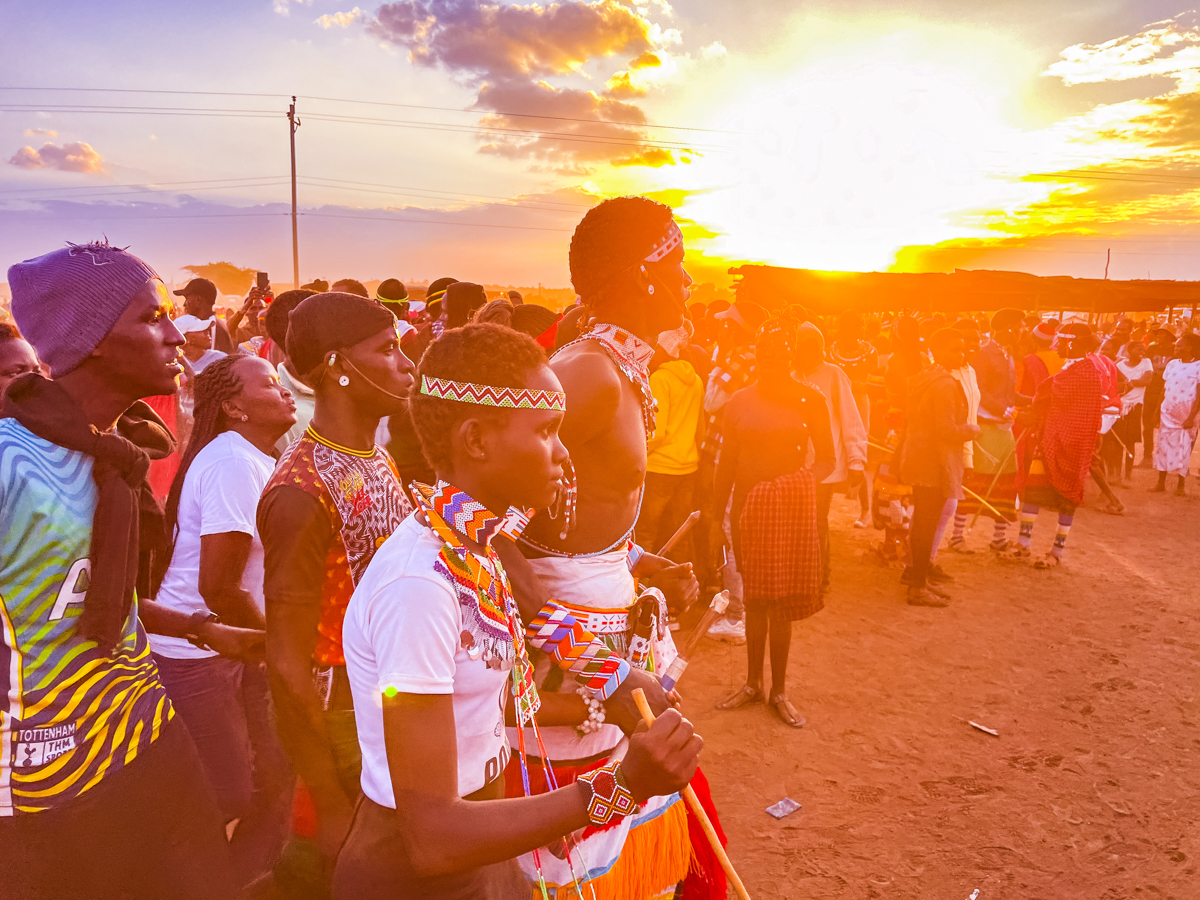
x=66, y=301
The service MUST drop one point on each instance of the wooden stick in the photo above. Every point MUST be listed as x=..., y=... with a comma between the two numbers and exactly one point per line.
x=679, y=533
x=689, y=796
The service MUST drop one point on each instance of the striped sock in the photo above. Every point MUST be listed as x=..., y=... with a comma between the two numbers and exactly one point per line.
x=960, y=526
x=1060, y=537
x=1029, y=515
x=999, y=531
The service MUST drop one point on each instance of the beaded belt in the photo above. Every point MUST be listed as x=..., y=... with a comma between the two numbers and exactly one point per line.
x=601, y=621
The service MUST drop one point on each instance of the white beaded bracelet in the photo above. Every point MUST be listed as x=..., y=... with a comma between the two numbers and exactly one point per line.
x=595, y=712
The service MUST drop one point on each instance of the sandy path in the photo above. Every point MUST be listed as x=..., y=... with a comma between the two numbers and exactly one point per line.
x=1090, y=673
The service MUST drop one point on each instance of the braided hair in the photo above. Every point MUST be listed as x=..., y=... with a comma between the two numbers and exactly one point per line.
x=216, y=384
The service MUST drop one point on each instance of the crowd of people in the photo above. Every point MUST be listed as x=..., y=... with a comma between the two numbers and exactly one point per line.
x=350, y=596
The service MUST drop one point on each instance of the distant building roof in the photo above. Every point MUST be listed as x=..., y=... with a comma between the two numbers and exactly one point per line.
x=963, y=290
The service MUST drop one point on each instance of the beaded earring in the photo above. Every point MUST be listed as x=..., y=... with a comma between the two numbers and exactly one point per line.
x=344, y=380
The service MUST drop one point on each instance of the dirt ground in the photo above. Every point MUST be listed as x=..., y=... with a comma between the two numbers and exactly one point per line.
x=1090, y=673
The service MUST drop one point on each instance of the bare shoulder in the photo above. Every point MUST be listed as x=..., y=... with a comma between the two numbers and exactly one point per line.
x=588, y=376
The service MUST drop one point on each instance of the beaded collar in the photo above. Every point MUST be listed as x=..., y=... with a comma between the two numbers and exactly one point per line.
x=632, y=356
x=491, y=624
x=471, y=518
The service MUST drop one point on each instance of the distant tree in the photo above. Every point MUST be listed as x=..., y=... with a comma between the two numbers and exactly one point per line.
x=228, y=278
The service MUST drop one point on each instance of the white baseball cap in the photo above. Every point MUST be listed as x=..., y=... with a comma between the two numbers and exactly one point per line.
x=188, y=324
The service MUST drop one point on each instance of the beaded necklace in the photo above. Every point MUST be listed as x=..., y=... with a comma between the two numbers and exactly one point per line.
x=489, y=603
x=632, y=356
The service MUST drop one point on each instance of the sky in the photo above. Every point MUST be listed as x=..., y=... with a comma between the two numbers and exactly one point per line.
x=452, y=137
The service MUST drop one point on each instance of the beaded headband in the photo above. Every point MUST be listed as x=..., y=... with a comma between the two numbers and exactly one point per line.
x=489, y=395
x=672, y=239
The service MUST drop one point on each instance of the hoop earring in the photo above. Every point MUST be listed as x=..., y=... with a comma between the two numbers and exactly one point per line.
x=344, y=380
x=650, y=289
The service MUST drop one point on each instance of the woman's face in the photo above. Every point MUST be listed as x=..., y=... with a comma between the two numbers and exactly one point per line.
x=524, y=456
x=265, y=402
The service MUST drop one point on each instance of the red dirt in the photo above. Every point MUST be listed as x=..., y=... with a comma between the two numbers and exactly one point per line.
x=1091, y=674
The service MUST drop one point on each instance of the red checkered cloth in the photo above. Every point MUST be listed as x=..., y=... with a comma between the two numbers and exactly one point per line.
x=1068, y=408
x=779, y=554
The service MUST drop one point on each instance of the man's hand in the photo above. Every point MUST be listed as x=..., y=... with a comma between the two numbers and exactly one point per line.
x=246, y=644
x=662, y=758
x=620, y=710
x=677, y=582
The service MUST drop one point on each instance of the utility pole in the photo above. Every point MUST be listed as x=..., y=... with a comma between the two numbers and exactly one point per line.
x=293, y=124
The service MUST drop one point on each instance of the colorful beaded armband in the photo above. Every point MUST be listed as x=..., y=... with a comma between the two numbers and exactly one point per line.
x=556, y=632
x=610, y=794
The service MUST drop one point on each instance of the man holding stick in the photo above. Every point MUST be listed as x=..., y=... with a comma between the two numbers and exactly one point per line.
x=627, y=266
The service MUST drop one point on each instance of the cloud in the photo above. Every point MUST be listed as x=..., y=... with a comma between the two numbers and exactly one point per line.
x=506, y=41
x=341, y=19
x=73, y=157
x=645, y=61
x=507, y=52
x=621, y=87
x=715, y=50
x=1168, y=48
x=612, y=131
x=283, y=7
x=44, y=132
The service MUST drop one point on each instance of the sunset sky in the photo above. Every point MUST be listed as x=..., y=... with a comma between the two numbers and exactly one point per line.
x=464, y=139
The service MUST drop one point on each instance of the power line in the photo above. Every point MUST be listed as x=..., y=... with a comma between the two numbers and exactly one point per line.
x=138, y=185
x=429, y=222
x=354, y=120
x=405, y=190
x=347, y=100
x=242, y=215
x=498, y=129
x=219, y=187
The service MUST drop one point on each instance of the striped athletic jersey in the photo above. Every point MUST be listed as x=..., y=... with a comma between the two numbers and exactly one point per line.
x=70, y=714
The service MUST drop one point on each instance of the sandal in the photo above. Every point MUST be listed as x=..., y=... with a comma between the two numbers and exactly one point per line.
x=1113, y=509
x=959, y=546
x=1016, y=554
x=786, y=712
x=1049, y=561
x=741, y=697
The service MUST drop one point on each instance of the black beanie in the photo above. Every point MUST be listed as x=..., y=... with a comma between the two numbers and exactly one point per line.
x=461, y=300
x=532, y=319
x=392, y=289
x=276, y=318
x=325, y=322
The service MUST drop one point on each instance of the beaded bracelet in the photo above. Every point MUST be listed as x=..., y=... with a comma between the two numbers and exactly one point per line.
x=595, y=712
x=572, y=647
x=610, y=795
x=634, y=556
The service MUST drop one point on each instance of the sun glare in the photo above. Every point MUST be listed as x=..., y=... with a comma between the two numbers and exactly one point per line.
x=848, y=155
x=843, y=163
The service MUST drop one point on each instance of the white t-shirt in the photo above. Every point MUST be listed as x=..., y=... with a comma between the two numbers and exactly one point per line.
x=1134, y=396
x=207, y=358
x=404, y=630
x=220, y=494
